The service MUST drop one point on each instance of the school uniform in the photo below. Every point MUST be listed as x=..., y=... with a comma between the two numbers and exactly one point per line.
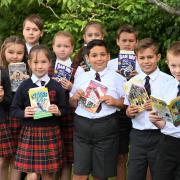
x=6, y=143
x=66, y=124
x=96, y=135
x=40, y=144
x=124, y=122
x=168, y=157
x=145, y=136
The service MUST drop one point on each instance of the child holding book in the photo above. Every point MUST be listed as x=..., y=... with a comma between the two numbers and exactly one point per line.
x=168, y=164
x=96, y=135
x=63, y=45
x=13, y=51
x=126, y=40
x=145, y=136
x=92, y=30
x=6, y=143
x=40, y=144
x=32, y=30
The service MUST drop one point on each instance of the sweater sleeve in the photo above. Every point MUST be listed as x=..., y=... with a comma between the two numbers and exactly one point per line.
x=5, y=82
x=17, y=106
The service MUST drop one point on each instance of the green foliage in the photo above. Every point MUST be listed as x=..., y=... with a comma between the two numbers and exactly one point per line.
x=72, y=15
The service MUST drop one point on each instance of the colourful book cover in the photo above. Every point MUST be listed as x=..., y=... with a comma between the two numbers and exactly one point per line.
x=39, y=98
x=126, y=62
x=91, y=99
x=17, y=74
x=62, y=71
x=138, y=96
x=169, y=112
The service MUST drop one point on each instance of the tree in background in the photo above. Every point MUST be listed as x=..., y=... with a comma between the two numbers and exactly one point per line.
x=152, y=18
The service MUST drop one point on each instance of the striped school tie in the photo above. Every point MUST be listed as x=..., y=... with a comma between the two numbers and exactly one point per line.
x=147, y=85
x=178, y=94
x=97, y=77
x=43, y=83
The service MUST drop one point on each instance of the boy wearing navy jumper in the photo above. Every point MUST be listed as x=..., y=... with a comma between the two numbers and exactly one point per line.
x=168, y=159
x=144, y=136
x=96, y=134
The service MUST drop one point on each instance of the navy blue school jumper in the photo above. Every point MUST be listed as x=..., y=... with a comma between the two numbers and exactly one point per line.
x=40, y=144
x=6, y=144
x=66, y=124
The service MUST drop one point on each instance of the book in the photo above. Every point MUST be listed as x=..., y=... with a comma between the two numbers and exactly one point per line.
x=17, y=74
x=62, y=71
x=91, y=99
x=169, y=112
x=39, y=99
x=137, y=96
x=126, y=62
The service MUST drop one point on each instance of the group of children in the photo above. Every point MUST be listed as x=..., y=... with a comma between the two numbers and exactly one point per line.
x=114, y=141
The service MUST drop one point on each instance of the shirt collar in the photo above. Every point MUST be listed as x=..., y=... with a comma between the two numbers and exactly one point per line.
x=29, y=46
x=37, y=81
x=101, y=73
x=152, y=76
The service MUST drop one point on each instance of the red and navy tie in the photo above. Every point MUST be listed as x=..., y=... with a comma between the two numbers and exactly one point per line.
x=97, y=77
x=147, y=85
x=178, y=94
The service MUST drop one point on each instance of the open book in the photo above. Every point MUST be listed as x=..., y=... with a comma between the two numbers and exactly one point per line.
x=136, y=94
x=17, y=74
x=126, y=62
x=91, y=99
x=39, y=98
x=62, y=71
x=169, y=112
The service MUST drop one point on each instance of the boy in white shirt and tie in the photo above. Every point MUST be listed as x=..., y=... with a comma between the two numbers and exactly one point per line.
x=96, y=134
x=168, y=159
x=144, y=136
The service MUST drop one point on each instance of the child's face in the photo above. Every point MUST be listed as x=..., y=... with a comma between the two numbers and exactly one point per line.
x=174, y=65
x=31, y=33
x=62, y=47
x=126, y=41
x=14, y=53
x=39, y=64
x=98, y=58
x=92, y=32
x=148, y=60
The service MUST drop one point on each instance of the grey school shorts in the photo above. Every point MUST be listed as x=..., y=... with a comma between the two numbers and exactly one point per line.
x=96, y=143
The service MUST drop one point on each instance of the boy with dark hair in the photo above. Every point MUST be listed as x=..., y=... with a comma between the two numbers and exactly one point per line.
x=96, y=135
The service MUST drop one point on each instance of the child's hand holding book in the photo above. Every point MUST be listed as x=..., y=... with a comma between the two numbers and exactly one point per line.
x=1, y=93
x=29, y=111
x=159, y=122
x=148, y=105
x=132, y=111
x=54, y=110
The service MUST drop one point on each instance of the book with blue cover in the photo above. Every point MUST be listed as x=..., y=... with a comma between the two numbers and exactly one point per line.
x=62, y=71
x=126, y=62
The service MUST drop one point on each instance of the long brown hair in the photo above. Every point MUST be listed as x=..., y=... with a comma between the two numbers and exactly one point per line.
x=7, y=41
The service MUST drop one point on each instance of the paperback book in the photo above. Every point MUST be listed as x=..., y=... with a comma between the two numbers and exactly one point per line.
x=62, y=71
x=126, y=62
x=39, y=99
x=169, y=112
x=91, y=99
x=17, y=74
x=137, y=96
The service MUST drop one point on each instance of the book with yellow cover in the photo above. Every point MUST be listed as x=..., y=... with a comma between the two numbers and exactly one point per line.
x=39, y=99
x=136, y=93
x=169, y=112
